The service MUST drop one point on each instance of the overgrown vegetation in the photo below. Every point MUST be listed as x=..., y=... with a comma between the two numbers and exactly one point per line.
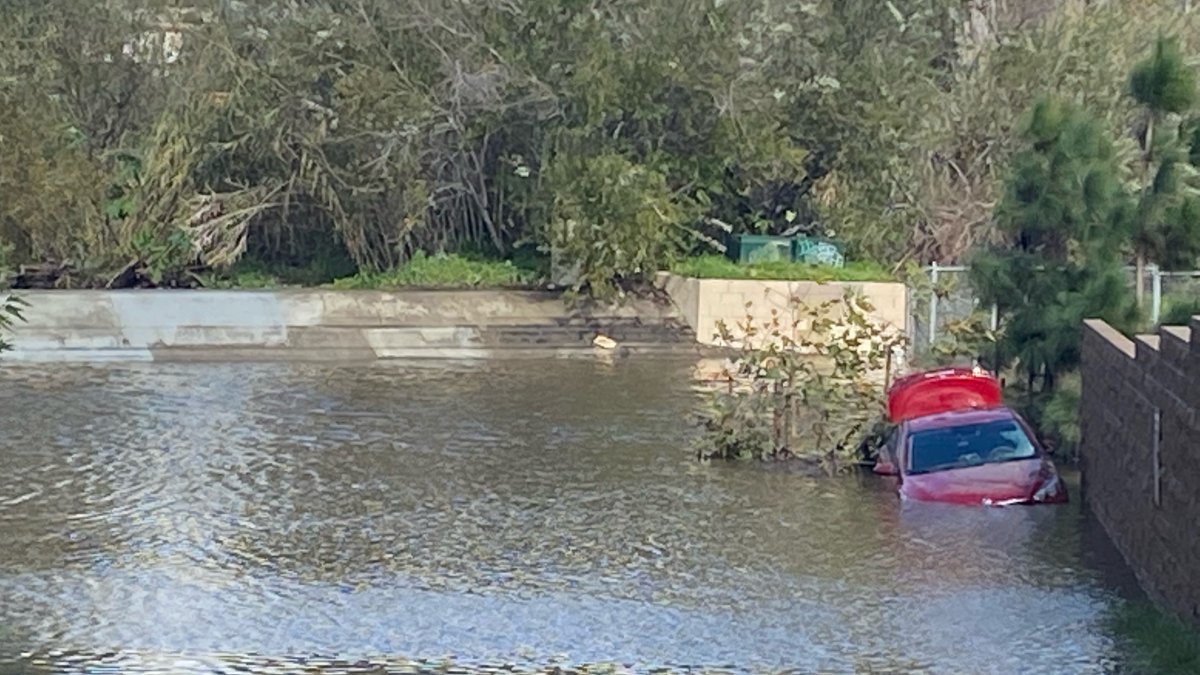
x=808, y=383
x=1066, y=217
x=1074, y=211
x=1178, y=310
x=161, y=143
x=1166, y=228
x=1156, y=643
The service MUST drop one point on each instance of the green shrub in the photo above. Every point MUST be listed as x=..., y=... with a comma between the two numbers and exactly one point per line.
x=1060, y=418
x=1179, y=310
x=11, y=308
x=614, y=222
x=802, y=384
x=1054, y=414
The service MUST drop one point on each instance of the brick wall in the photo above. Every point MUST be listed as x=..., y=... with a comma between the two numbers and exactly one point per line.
x=1149, y=503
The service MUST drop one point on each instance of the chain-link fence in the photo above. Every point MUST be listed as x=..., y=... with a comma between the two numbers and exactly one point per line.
x=944, y=295
x=1175, y=296
x=936, y=301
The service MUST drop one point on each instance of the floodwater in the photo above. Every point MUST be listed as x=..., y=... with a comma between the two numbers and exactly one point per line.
x=270, y=518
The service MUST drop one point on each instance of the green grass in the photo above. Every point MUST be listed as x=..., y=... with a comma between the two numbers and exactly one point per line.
x=467, y=269
x=720, y=267
x=1157, y=644
x=444, y=271
x=254, y=274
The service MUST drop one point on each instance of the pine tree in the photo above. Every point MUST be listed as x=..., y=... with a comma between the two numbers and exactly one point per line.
x=1167, y=228
x=1066, y=218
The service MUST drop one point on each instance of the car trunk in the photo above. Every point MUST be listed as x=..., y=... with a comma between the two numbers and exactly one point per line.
x=940, y=391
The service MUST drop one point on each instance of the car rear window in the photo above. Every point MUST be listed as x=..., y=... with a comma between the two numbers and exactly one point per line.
x=968, y=445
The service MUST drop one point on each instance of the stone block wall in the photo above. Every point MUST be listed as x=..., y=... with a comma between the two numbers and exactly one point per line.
x=1140, y=453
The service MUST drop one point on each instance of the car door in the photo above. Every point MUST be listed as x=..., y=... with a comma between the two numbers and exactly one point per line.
x=887, y=454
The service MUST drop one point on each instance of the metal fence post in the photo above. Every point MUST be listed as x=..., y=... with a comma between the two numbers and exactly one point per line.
x=1156, y=294
x=933, y=302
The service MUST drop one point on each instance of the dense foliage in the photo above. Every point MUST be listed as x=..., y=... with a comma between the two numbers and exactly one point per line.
x=1167, y=226
x=144, y=139
x=1066, y=218
x=1075, y=209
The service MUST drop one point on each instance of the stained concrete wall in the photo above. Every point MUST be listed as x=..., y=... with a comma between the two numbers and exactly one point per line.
x=148, y=325
x=704, y=303
x=1143, y=486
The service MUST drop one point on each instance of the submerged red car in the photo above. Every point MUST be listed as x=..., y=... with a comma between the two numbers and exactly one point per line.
x=954, y=441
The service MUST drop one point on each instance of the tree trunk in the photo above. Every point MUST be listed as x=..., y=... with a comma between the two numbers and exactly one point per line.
x=1140, y=281
x=788, y=420
x=1148, y=179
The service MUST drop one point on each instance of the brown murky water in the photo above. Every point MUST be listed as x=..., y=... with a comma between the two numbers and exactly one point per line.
x=251, y=518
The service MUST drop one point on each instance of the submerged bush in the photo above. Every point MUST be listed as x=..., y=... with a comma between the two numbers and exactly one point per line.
x=808, y=382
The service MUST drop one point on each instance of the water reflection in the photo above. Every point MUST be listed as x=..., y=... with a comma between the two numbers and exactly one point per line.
x=494, y=512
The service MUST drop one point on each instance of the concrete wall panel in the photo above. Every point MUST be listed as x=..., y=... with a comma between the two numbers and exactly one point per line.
x=325, y=325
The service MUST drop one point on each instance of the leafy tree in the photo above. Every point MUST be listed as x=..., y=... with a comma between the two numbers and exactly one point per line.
x=614, y=222
x=291, y=133
x=1168, y=220
x=1064, y=216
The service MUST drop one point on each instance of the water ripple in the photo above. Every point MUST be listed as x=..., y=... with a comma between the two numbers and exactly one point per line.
x=200, y=518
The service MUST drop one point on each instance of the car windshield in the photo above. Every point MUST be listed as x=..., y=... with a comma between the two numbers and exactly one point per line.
x=968, y=445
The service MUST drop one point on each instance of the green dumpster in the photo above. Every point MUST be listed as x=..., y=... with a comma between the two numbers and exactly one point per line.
x=756, y=248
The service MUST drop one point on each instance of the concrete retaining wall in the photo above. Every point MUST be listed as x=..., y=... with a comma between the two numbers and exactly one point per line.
x=1143, y=482
x=703, y=303
x=152, y=325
